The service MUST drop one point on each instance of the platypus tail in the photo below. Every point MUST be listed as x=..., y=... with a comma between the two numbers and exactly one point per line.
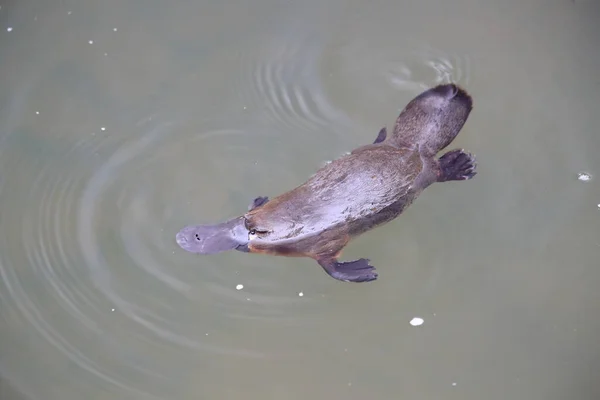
x=432, y=119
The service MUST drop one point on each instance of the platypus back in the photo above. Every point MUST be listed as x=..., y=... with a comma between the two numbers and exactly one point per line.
x=432, y=119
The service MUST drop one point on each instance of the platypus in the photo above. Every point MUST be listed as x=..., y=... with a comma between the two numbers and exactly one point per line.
x=353, y=194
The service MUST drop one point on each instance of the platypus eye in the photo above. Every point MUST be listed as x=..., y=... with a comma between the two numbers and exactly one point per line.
x=255, y=232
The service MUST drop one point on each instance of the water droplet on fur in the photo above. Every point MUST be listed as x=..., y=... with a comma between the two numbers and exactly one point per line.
x=584, y=177
x=239, y=287
x=416, y=321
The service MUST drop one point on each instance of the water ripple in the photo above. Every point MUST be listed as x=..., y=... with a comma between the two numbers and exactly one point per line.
x=363, y=78
x=286, y=88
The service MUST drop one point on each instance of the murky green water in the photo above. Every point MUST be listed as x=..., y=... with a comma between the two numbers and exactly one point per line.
x=122, y=121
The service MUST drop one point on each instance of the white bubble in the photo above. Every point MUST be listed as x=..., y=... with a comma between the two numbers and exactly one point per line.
x=9, y=29
x=112, y=309
x=584, y=176
x=37, y=113
x=239, y=287
x=300, y=294
x=103, y=129
x=90, y=41
x=416, y=321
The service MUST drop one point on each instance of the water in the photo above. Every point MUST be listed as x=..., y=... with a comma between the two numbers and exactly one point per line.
x=120, y=122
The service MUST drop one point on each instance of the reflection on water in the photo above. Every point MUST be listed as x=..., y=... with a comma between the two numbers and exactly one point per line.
x=119, y=124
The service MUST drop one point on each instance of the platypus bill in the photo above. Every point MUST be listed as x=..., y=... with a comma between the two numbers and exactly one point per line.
x=353, y=194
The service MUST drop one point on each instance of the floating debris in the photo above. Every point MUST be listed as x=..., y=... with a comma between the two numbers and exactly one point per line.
x=90, y=41
x=239, y=287
x=103, y=129
x=584, y=177
x=300, y=294
x=453, y=383
x=9, y=29
x=416, y=321
x=112, y=309
x=114, y=29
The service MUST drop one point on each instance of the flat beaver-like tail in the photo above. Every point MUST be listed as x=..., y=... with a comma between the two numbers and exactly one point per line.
x=432, y=119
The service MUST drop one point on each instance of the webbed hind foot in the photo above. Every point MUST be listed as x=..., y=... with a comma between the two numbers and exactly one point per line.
x=457, y=165
x=381, y=136
x=351, y=271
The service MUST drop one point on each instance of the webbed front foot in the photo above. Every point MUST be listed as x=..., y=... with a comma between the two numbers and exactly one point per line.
x=351, y=271
x=257, y=202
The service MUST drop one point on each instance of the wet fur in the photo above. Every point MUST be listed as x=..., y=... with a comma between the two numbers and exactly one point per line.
x=369, y=187
x=428, y=124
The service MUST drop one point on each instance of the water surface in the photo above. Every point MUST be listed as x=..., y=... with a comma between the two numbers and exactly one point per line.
x=122, y=121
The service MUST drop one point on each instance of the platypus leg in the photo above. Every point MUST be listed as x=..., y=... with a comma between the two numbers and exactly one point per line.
x=351, y=271
x=457, y=165
x=381, y=136
x=257, y=202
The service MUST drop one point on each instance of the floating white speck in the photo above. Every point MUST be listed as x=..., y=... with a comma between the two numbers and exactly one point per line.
x=239, y=287
x=244, y=107
x=103, y=129
x=69, y=12
x=300, y=294
x=453, y=383
x=114, y=29
x=584, y=176
x=9, y=29
x=112, y=309
x=105, y=54
x=90, y=41
x=416, y=321
x=37, y=112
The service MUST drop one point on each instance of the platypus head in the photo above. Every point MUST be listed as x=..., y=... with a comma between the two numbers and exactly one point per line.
x=234, y=234
x=211, y=239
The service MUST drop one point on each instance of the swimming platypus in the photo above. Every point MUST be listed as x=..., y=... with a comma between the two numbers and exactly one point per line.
x=366, y=188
